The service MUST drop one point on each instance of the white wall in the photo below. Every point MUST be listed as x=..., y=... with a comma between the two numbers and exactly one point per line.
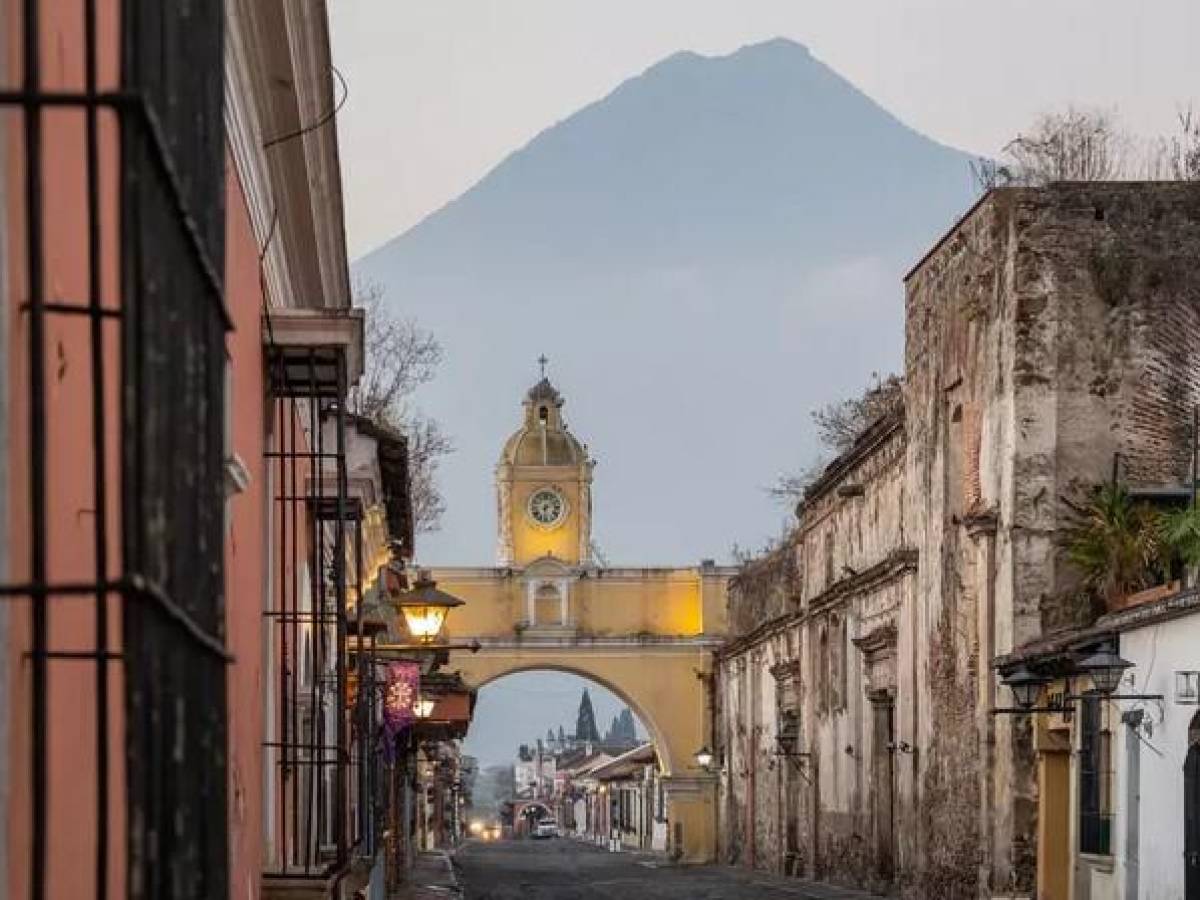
x=1157, y=651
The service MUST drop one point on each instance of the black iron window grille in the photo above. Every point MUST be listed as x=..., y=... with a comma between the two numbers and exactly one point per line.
x=118, y=592
x=317, y=537
x=1095, y=778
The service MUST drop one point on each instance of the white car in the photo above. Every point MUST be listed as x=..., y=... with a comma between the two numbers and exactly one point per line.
x=546, y=828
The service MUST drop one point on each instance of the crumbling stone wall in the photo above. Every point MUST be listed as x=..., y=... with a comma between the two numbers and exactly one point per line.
x=1044, y=334
x=1050, y=330
x=794, y=664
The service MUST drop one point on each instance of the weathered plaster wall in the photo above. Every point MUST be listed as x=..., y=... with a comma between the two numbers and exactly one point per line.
x=1048, y=331
x=814, y=628
x=1044, y=334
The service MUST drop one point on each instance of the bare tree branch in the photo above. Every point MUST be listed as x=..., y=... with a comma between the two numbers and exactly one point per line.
x=1076, y=145
x=400, y=357
x=838, y=426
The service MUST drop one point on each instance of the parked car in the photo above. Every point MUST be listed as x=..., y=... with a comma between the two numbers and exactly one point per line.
x=545, y=828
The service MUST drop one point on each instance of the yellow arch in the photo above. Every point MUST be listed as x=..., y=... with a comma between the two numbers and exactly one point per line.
x=666, y=690
x=666, y=686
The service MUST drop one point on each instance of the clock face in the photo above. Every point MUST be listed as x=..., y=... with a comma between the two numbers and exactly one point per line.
x=547, y=507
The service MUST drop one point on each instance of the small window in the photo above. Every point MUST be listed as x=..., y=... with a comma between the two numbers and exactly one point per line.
x=1095, y=779
x=543, y=413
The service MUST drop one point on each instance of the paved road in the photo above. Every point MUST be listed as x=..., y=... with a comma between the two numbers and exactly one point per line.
x=565, y=869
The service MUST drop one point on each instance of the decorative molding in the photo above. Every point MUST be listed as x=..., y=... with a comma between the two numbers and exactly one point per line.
x=787, y=670
x=321, y=328
x=579, y=642
x=877, y=642
x=981, y=523
x=244, y=134
x=892, y=567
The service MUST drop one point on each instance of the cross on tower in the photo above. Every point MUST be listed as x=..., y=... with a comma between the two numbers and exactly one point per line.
x=542, y=362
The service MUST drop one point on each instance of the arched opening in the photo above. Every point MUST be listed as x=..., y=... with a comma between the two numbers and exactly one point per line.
x=558, y=746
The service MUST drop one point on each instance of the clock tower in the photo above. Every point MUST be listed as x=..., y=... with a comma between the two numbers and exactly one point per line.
x=544, y=487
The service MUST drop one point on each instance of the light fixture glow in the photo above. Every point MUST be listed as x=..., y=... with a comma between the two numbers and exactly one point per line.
x=704, y=758
x=425, y=608
x=423, y=708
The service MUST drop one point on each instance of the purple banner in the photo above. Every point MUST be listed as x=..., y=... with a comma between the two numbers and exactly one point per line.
x=399, y=702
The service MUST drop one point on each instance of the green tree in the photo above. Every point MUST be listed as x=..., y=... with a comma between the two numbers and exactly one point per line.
x=585, y=722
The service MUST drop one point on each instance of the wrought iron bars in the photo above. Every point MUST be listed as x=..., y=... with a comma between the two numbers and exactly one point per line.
x=159, y=344
x=317, y=529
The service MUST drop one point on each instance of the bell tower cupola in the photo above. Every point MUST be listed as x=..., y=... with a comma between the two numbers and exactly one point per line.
x=544, y=486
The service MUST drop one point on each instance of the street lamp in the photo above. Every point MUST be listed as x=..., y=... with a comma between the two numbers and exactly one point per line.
x=1025, y=685
x=1106, y=668
x=425, y=608
x=704, y=757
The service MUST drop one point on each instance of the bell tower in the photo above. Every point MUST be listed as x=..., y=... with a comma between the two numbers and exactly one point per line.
x=544, y=487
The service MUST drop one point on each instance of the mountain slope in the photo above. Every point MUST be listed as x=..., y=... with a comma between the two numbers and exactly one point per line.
x=705, y=254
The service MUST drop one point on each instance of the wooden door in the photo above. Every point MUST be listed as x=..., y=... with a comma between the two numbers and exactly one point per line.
x=883, y=789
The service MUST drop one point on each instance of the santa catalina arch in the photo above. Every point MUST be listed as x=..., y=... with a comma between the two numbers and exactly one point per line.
x=647, y=634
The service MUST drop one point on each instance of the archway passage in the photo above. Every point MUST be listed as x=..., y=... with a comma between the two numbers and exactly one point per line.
x=666, y=694
x=664, y=684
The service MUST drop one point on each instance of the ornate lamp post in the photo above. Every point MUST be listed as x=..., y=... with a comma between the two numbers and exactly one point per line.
x=1104, y=668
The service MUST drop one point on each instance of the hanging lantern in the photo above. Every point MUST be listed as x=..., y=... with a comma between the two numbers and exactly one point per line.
x=1025, y=685
x=425, y=608
x=1106, y=669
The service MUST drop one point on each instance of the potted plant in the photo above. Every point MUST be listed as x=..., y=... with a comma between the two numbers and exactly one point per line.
x=1115, y=542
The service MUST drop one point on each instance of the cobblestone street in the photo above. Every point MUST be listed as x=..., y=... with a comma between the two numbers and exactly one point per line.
x=568, y=870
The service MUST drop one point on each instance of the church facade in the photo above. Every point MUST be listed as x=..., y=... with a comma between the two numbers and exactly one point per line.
x=647, y=634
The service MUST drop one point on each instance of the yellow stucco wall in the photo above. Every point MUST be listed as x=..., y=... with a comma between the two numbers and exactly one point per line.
x=647, y=635
x=531, y=542
x=601, y=603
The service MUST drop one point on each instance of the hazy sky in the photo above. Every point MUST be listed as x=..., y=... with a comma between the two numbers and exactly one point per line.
x=441, y=90
x=517, y=709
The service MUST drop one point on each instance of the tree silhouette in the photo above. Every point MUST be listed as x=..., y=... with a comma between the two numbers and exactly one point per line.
x=585, y=722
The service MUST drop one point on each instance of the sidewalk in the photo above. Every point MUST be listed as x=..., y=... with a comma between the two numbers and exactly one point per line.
x=432, y=878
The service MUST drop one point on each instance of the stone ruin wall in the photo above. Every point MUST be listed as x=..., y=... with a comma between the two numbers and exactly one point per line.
x=1050, y=329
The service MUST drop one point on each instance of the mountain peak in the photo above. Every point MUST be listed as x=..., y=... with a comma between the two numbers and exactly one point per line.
x=779, y=48
x=778, y=44
x=754, y=208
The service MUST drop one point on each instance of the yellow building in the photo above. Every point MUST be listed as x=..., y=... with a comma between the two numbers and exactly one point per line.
x=647, y=634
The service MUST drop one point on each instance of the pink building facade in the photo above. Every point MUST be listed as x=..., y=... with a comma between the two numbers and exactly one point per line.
x=181, y=554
